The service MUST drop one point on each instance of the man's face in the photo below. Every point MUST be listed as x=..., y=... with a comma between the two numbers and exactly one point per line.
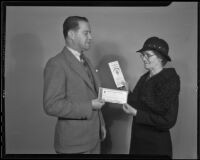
x=83, y=36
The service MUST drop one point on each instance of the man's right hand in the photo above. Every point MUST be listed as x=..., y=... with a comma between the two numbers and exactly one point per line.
x=97, y=104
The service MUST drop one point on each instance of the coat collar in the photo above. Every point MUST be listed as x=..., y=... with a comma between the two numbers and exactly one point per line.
x=164, y=75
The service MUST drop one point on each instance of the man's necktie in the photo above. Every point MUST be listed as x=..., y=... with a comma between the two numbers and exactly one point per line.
x=87, y=68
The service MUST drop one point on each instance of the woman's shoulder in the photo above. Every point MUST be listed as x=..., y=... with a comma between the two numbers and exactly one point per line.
x=169, y=74
x=168, y=78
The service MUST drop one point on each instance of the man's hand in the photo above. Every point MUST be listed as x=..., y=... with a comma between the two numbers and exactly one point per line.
x=103, y=132
x=97, y=104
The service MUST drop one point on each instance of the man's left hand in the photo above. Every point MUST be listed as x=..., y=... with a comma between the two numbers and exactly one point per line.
x=103, y=132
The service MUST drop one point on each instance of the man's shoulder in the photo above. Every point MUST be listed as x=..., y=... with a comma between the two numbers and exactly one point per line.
x=58, y=57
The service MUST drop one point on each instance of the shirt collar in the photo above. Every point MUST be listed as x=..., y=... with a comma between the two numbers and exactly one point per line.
x=75, y=53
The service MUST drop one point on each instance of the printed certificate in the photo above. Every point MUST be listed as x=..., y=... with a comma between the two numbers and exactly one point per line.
x=113, y=95
x=116, y=73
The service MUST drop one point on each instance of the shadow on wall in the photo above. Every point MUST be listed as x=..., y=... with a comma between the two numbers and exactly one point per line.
x=24, y=95
x=107, y=52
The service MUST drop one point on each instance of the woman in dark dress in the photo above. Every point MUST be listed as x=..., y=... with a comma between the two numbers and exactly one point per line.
x=154, y=102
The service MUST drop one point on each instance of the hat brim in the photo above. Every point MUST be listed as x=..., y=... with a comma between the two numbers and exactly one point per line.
x=145, y=49
x=141, y=50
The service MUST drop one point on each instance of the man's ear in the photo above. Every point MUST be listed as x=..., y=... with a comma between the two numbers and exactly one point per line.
x=71, y=34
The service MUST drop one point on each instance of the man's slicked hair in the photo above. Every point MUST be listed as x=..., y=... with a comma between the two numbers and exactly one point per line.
x=71, y=23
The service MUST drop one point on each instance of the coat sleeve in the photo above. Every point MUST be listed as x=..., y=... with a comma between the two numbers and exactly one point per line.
x=134, y=95
x=55, y=101
x=101, y=118
x=163, y=104
x=102, y=125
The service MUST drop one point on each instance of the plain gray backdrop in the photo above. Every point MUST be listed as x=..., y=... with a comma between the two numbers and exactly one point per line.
x=34, y=34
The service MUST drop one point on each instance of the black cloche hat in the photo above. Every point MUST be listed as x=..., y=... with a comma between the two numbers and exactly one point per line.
x=156, y=44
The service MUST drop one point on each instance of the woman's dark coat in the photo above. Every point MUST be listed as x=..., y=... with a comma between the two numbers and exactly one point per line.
x=156, y=100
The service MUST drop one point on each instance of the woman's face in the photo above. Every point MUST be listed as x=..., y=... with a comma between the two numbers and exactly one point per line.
x=150, y=60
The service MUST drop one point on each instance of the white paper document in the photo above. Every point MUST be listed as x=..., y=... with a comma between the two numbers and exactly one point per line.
x=117, y=73
x=113, y=95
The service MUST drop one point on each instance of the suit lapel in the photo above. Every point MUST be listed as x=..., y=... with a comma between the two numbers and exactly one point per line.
x=78, y=68
x=96, y=79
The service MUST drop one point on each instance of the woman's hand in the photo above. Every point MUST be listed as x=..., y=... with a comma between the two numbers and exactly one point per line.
x=129, y=109
x=126, y=86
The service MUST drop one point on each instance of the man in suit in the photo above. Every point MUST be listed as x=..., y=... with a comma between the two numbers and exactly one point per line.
x=71, y=91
